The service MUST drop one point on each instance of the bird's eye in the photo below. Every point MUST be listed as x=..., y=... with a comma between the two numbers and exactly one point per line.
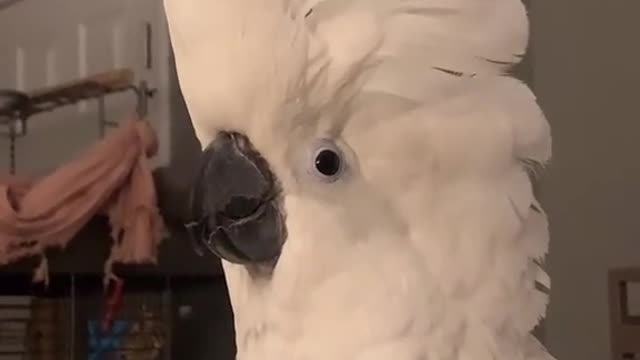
x=328, y=161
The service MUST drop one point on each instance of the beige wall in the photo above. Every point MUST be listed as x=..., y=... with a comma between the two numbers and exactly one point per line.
x=586, y=56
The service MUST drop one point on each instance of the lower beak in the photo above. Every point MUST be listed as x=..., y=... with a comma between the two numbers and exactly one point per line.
x=235, y=204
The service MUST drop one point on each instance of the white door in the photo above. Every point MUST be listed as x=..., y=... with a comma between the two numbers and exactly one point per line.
x=46, y=43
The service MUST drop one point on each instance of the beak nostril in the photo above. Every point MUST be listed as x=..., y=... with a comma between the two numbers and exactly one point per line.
x=240, y=207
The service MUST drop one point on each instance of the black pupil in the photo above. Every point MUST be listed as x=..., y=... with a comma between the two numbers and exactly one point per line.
x=328, y=162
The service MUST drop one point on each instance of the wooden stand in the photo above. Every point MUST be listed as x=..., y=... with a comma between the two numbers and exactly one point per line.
x=86, y=253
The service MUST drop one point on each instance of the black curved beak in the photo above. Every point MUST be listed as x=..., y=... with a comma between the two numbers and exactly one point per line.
x=235, y=203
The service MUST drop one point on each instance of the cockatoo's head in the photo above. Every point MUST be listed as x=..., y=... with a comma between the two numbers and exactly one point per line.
x=272, y=103
x=348, y=140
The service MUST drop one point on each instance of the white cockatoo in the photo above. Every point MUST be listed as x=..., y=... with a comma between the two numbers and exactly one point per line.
x=366, y=175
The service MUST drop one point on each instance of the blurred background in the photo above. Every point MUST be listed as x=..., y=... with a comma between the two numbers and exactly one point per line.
x=585, y=56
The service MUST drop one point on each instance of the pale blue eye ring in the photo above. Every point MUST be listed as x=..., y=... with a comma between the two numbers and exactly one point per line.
x=327, y=161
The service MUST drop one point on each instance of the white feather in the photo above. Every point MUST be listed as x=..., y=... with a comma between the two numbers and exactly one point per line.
x=431, y=249
x=233, y=72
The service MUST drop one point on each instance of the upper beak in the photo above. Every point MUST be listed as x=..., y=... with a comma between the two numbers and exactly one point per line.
x=235, y=204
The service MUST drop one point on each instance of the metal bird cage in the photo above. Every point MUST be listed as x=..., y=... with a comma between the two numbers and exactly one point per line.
x=67, y=320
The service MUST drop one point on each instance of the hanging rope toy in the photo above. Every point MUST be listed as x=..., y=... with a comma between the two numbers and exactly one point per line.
x=114, y=303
